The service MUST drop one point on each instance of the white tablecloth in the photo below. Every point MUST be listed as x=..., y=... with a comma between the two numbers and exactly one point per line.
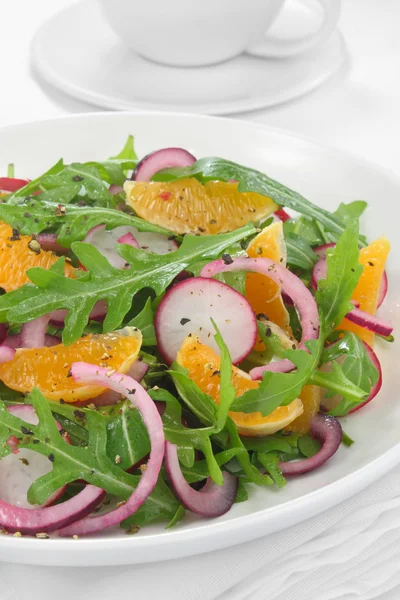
x=353, y=551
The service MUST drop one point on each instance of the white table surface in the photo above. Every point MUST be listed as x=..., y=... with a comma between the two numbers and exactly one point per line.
x=358, y=110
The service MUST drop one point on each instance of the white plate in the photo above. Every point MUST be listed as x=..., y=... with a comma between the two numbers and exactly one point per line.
x=77, y=52
x=326, y=177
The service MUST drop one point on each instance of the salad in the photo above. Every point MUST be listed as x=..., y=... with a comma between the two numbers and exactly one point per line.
x=173, y=332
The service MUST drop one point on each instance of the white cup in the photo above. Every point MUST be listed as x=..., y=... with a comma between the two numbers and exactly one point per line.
x=192, y=33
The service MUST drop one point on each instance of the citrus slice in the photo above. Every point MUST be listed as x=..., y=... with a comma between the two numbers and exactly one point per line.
x=311, y=398
x=203, y=365
x=48, y=369
x=187, y=206
x=373, y=259
x=262, y=293
x=18, y=253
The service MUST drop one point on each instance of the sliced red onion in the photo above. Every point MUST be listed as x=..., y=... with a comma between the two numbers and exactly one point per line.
x=370, y=322
x=98, y=313
x=161, y=159
x=321, y=250
x=6, y=353
x=48, y=241
x=319, y=272
x=131, y=389
x=21, y=468
x=383, y=289
x=278, y=366
x=115, y=189
x=376, y=388
x=212, y=500
x=328, y=431
x=302, y=298
x=11, y=184
x=33, y=333
x=189, y=306
x=14, y=341
x=282, y=215
x=128, y=238
x=137, y=371
x=3, y=332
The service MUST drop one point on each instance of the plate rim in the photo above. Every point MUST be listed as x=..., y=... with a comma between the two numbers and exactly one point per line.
x=51, y=77
x=59, y=551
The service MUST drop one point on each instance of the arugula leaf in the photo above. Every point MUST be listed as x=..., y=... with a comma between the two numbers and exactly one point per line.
x=145, y=322
x=87, y=176
x=309, y=229
x=227, y=391
x=351, y=211
x=299, y=252
x=344, y=270
x=198, y=402
x=90, y=463
x=127, y=436
x=102, y=281
x=250, y=180
x=338, y=383
x=72, y=222
x=271, y=462
x=128, y=151
x=33, y=185
x=279, y=389
x=308, y=446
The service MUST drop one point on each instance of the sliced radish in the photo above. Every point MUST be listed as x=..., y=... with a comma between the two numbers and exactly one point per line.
x=10, y=184
x=188, y=307
x=161, y=159
x=370, y=322
x=328, y=431
x=319, y=272
x=282, y=215
x=48, y=241
x=321, y=250
x=132, y=390
x=106, y=242
x=19, y=470
x=303, y=300
x=376, y=388
x=212, y=500
x=383, y=289
x=128, y=238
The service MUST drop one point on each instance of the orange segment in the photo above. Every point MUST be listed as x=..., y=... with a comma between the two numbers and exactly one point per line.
x=373, y=259
x=48, y=368
x=262, y=293
x=17, y=256
x=311, y=398
x=203, y=366
x=187, y=206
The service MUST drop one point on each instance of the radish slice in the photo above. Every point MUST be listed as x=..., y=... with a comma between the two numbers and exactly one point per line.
x=6, y=353
x=370, y=322
x=161, y=159
x=212, y=500
x=48, y=241
x=282, y=215
x=328, y=431
x=3, y=332
x=131, y=389
x=376, y=388
x=321, y=250
x=319, y=272
x=128, y=238
x=188, y=307
x=302, y=298
x=137, y=371
x=33, y=333
x=20, y=469
x=383, y=289
x=106, y=241
x=10, y=184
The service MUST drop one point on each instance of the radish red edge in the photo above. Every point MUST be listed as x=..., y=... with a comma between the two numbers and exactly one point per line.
x=161, y=159
x=328, y=431
x=133, y=391
x=48, y=241
x=212, y=500
x=376, y=388
x=187, y=308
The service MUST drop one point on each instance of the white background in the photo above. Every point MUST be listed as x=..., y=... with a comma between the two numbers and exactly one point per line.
x=358, y=110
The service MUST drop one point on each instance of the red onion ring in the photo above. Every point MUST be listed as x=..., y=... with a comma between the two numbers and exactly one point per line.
x=212, y=500
x=48, y=241
x=328, y=431
x=383, y=289
x=33, y=333
x=98, y=313
x=302, y=298
x=115, y=189
x=131, y=389
x=376, y=388
x=14, y=341
x=6, y=353
x=321, y=250
x=370, y=322
x=3, y=332
x=161, y=159
x=319, y=271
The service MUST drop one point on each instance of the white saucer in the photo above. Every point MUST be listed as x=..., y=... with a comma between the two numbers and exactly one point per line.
x=77, y=52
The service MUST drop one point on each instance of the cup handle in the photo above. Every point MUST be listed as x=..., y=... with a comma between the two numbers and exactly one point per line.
x=275, y=48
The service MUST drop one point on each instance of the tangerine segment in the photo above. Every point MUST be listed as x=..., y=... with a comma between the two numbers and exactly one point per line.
x=18, y=253
x=262, y=293
x=48, y=369
x=311, y=398
x=187, y=206
x=203, y=365
x=373, y=259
